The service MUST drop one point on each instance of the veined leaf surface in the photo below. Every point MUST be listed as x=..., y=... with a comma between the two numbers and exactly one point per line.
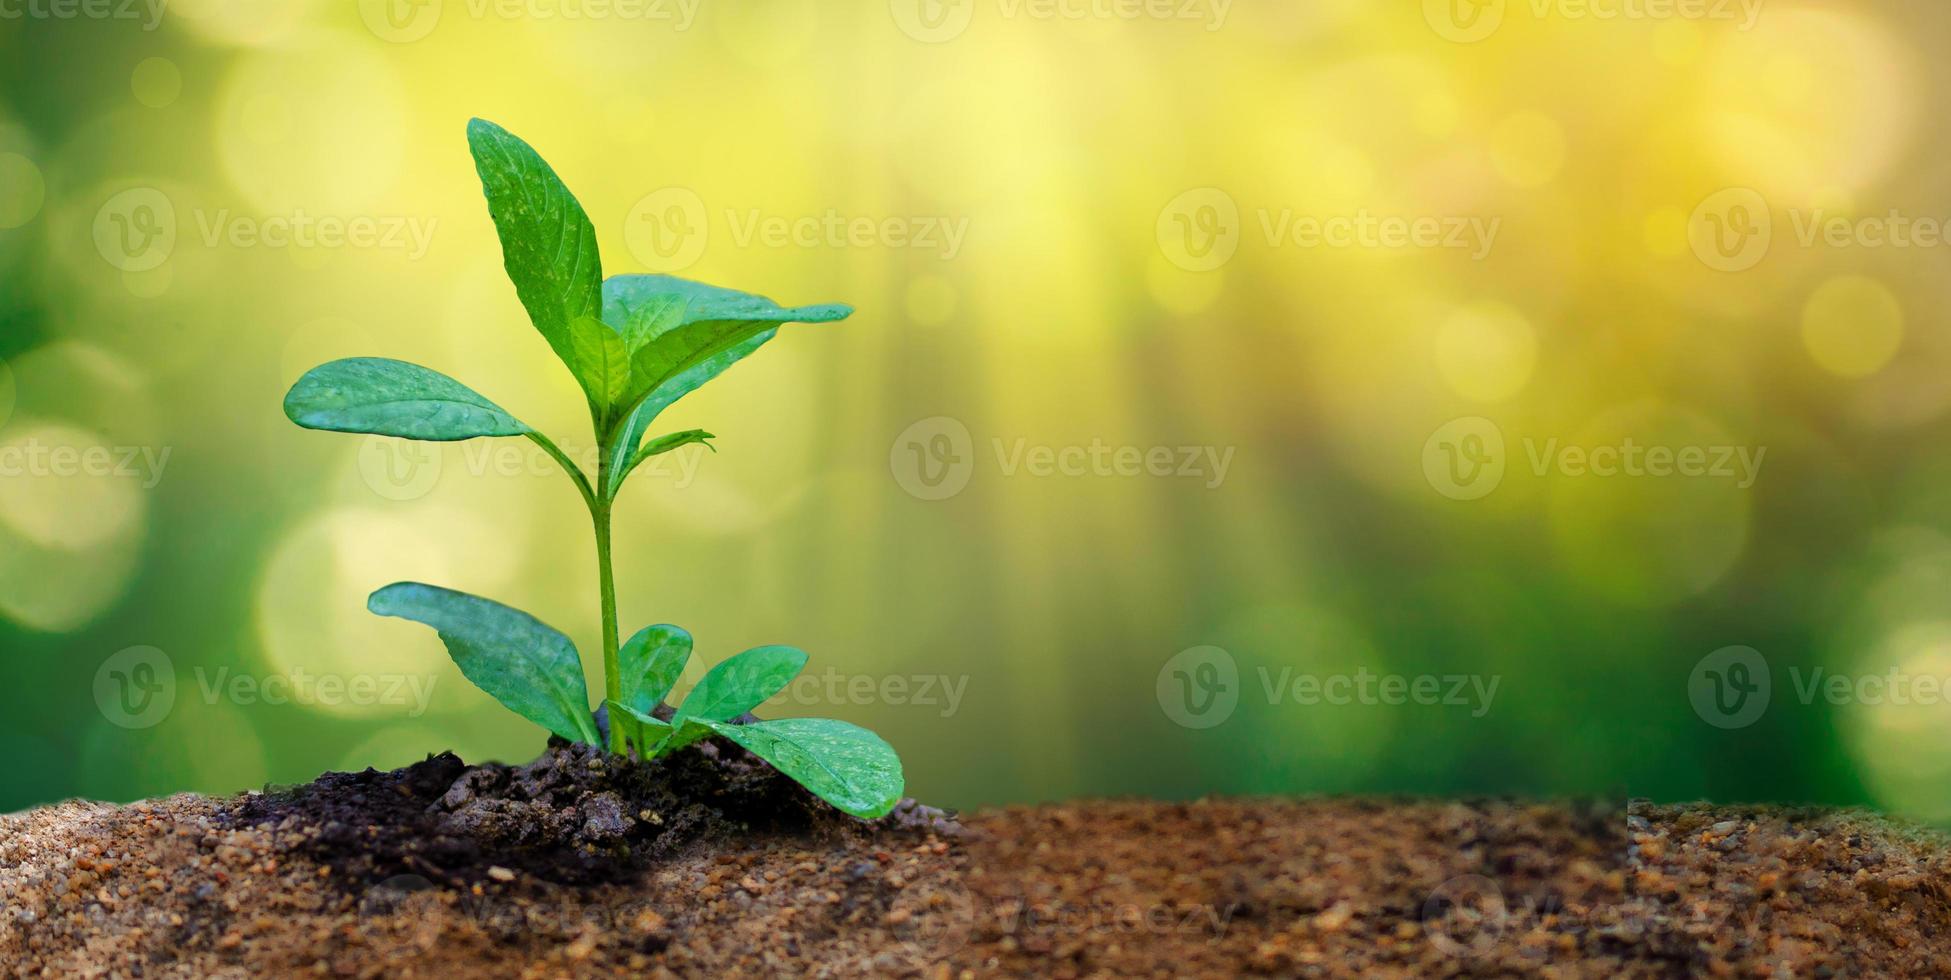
x=528, y=666
x=377, y=396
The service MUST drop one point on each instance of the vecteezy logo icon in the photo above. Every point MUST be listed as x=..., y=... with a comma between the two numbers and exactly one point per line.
x=399, y=469
x=933, y=459
x=1465, y=916
x=400, y=21
x=136, y=687
x=1199, y=687
x=135, y=231
x=666, y=230
x=932, y=21
x=1200, y=229
x=937, y=925
x=1730, y=687
x=1464, y=21
x=1731, y=230
x=386, y=898
x=1464, y=460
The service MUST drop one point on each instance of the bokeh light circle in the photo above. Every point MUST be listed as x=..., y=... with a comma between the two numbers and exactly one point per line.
x=156, y=82
x=89, y=387
x=66, y=488
x=57, y=591
x=1897, y=721
x=1852, y=326
x=1808, y=100
x=22, y=190
x=1486, y=351
x=200, y=747
x=1648, y=540
x=80, y=462
x=1527, y=148
x=70, y=525
x=311, y=600
x=244, y=22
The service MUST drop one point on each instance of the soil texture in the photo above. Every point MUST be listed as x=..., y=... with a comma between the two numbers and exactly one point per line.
x=711, y=864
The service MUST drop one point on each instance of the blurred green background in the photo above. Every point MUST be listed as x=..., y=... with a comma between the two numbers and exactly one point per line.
x=1295, y=336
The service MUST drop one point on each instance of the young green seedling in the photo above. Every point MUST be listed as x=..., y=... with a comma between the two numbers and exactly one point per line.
x=635, y=344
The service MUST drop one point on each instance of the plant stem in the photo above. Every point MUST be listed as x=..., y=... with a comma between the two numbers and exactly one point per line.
x=601, y=501
x=606, y=577
x=599, y=512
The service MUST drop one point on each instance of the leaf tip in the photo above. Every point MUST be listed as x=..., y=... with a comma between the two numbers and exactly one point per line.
x=293, y=410
x=823, y=313
x=384, y=602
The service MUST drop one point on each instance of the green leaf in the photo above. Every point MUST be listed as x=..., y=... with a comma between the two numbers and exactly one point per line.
x=393, y=398
x=703, y=301
x=649, y=664
x=717, y=328
x=715, y=322
x=654, y=738
x=548, y=245
x=676, y=440
x=742, y=683
x=687, y=733
x=639, y=728
x=602, y=364
x=845, y=765
x=646, y=411
x=642, y=322
x=529, y=667
x=664, y=444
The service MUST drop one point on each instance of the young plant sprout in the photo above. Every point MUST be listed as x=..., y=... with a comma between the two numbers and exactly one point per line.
x=636, y=344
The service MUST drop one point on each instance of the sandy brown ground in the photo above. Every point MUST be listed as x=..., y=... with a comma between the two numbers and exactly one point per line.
x=258, y=886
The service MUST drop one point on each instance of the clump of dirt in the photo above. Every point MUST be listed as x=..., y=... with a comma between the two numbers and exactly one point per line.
x=576, y=815
x=710, y=865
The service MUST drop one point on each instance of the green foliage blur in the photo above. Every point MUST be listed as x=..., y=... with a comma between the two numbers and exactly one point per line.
x=1304, y=398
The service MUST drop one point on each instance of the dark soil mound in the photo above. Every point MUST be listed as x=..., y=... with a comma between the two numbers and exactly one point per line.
x=711, y=865
x=574, y=816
